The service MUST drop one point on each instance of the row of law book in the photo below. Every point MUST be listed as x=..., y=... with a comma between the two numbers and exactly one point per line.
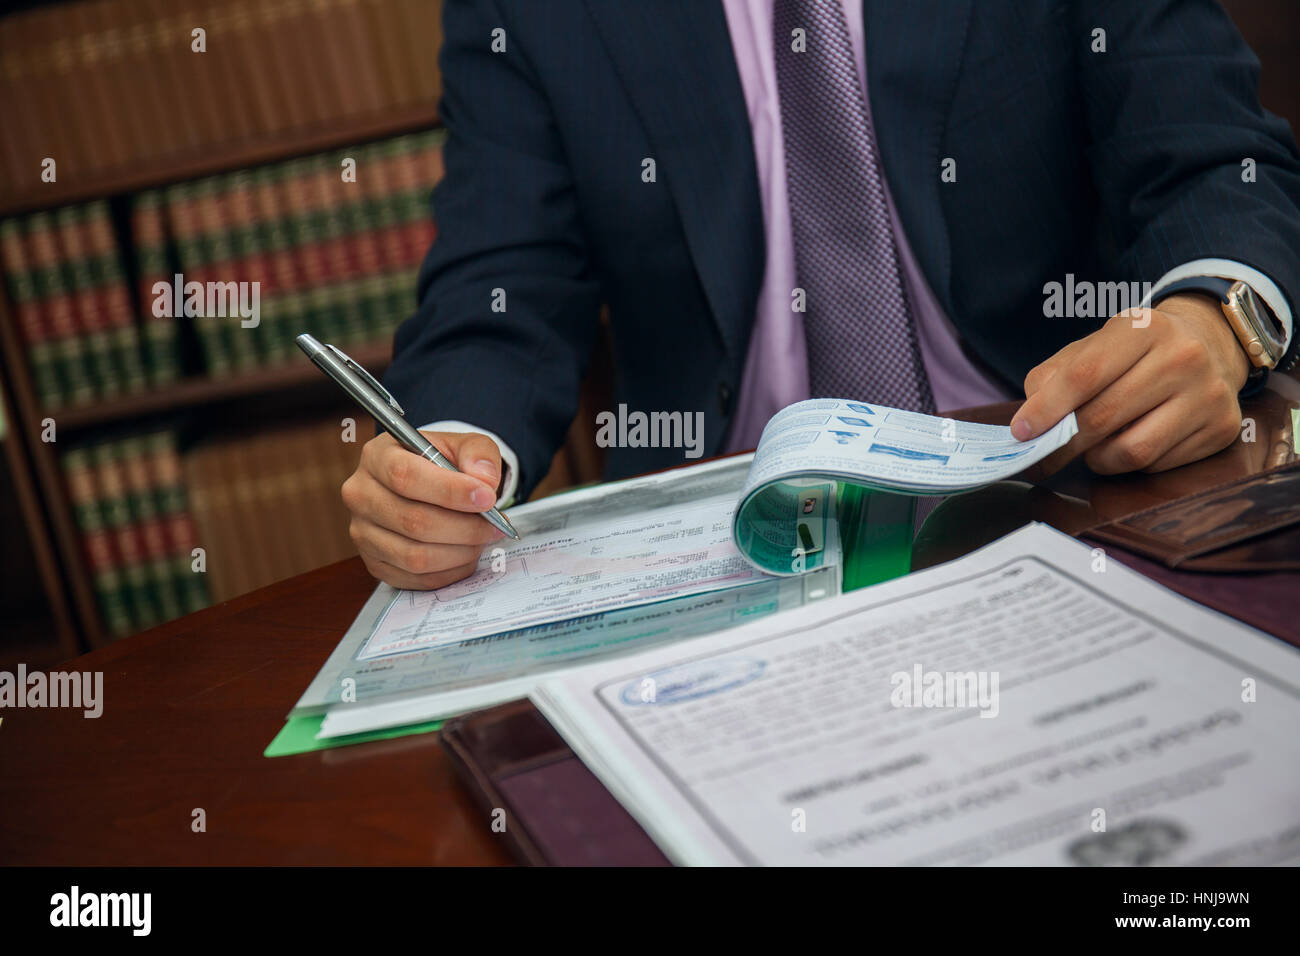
x=167, y=532
x=137, y=530
x=328, y=244
x=219, y=275
x=267, y=506
x=108, y=85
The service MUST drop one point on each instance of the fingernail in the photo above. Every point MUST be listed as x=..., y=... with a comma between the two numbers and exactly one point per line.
x=1020, y=430
x=486, y=470
x=482, y=499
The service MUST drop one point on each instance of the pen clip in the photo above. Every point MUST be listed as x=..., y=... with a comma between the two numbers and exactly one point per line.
x=369, y=379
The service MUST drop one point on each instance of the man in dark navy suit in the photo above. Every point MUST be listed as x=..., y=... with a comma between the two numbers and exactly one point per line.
x=927, y=204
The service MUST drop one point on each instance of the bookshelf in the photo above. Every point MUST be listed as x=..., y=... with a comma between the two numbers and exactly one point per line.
x=72, y=49
x=196, y=391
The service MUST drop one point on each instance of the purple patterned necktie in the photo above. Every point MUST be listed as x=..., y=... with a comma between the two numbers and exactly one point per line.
x=861, y=339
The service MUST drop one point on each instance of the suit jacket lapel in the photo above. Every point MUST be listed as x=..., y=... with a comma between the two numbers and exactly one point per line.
x=913, y=53
x=676, y=63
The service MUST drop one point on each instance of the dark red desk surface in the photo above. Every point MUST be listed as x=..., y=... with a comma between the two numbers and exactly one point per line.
x=190, y=706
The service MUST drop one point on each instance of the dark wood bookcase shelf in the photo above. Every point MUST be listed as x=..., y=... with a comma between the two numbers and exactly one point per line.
x=64, y=566
x=192, y=392
x=36, y=195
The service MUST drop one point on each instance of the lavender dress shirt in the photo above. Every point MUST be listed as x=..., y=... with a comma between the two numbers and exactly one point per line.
x=776, y=367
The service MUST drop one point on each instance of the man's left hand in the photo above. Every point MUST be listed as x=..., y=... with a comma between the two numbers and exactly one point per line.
x=1153, y=389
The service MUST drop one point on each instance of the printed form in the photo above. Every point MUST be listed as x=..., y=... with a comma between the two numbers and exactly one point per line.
x=1105, y=720
x=627, y=543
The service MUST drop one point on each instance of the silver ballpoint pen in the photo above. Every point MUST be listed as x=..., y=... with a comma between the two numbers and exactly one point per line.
x=376, y=400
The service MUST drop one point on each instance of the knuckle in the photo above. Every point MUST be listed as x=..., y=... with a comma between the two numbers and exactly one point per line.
x=348, y=492
x=1156, y=320
x=372, y=450
x=418, y=560
x=483, y=534
x=1098, y=416
x=1218, y=392
x=1189, y=354
x=399, y=474
x=413, y=523
x=1083, y=374
x=1135, y=454
x=354, y=532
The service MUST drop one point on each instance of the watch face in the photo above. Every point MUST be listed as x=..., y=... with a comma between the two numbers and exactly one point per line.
x=1254, y=330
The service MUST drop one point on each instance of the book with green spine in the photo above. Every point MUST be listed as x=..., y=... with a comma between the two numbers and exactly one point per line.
x=173, y=510
x=32, y=326
x=194, y=258
x=221, y=268
x=161, y=332
x=53, y=293
x=153, y=536
x=88, y=315
x=106, y=576
x=109, y=276
x=106, y=458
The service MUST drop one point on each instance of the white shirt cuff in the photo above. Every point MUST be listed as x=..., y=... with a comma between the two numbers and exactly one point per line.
x=509, y=462
x=1262, y=285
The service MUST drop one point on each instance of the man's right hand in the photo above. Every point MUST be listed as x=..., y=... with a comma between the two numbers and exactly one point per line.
x=417, y=525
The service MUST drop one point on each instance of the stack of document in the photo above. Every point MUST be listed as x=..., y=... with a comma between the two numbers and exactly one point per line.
x=631, y=564
x=598, y=571
x=1024, y=705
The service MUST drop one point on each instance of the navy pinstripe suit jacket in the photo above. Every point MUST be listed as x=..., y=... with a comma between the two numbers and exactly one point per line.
x=1113, y=166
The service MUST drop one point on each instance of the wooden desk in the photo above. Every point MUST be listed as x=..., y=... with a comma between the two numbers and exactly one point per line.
x=190, y=706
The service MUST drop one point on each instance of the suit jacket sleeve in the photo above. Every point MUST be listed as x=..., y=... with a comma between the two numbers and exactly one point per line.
x=1172, y=110
x=508, y=305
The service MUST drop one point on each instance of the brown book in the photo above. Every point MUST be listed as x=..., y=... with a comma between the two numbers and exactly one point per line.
x=330, y=462
x=301, y=49
x=294, y=455
x=104, y=56
x=64, y=133
x=164, y=62
x=200, y=77
x=257, y=66
x=212, y=505
x=351, y=24
x=249, y=549
x=281, y=64
x=269, y=466
x=421, y=35
x=20, y=131
x=78, y=42
x=151, y=94
x=385, y=49
x=236, y=105
x=168, y=62
x=336, y=61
